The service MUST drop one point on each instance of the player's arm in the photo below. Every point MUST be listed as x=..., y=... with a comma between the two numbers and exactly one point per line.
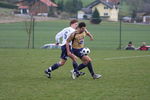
x=71, y=55
x=67, y=44
x=89, y=34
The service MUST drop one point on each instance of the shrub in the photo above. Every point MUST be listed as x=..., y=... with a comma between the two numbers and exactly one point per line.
x=96, y=19
x=7, y=5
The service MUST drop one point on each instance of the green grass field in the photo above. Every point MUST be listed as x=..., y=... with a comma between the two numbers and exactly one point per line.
x=85, y=3
x=106, y=34
x=125, y=76
x=125, y=73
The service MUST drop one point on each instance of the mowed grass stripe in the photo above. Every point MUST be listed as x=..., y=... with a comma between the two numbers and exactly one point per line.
x=106, y=34
x=22, y=77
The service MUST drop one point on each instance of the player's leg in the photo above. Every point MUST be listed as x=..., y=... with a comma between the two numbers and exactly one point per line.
x=74, y=63
x=58, y=64
x=88, y=61
x=74, y=73
x=82, y=66
x=75, y=66
x=54, y=67
x=76, y=53
x=62, y=61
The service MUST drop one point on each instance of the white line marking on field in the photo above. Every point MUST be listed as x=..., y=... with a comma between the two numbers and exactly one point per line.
x=115, y=58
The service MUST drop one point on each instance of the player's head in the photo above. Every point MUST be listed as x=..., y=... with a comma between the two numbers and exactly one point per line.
x=144, y=43
x=130, y=42
x=82, y=27
x=81, y=24
x=74, y=23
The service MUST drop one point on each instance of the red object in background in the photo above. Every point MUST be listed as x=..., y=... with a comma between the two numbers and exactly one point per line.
x=144, y=48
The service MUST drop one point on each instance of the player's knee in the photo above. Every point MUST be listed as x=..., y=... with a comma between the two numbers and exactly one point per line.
x=89, y=60
x=85, y=62
x=61, y=63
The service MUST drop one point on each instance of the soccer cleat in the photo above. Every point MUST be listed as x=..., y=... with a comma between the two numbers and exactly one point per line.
x=96, y=76
x=48, y=74
x=81, y=73
x=73, y=74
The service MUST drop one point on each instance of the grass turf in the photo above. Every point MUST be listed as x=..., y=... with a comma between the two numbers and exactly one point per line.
x=22, y=77
x=106, y=34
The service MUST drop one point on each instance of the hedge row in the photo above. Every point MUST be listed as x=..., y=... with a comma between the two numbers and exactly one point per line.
x=7, y=5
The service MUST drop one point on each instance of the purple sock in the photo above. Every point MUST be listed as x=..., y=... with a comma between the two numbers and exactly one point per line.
x=53, y=67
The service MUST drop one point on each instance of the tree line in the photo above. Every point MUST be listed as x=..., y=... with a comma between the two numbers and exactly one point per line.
x=138, y=5
x=70, y=6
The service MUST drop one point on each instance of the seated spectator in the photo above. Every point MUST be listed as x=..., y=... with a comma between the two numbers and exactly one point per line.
x=143, y=47
x=130, y=46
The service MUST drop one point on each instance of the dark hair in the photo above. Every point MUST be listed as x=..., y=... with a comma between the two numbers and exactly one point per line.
x=81, y=24
x=73, y=21
x=130, y=42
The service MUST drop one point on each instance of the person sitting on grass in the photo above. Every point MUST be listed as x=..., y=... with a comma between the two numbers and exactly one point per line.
x=143, y=47
x=130, y=46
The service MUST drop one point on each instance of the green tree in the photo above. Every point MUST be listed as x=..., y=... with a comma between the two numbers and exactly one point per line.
x=72, y=6
x=53, y=1
x=135, y=5
x=68, y=6
x=60, y=5
x=79, y=5
x=96, y=19
x=130, y=7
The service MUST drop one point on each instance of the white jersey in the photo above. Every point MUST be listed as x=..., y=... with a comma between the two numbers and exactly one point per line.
x=64, y=34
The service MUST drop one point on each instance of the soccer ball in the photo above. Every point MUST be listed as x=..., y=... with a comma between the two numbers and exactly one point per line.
x=85, y=51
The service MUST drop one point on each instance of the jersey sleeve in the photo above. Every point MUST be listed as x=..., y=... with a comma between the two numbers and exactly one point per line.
x=71, y=37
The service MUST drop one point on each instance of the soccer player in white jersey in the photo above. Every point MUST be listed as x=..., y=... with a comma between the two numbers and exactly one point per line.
x=64, y=34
